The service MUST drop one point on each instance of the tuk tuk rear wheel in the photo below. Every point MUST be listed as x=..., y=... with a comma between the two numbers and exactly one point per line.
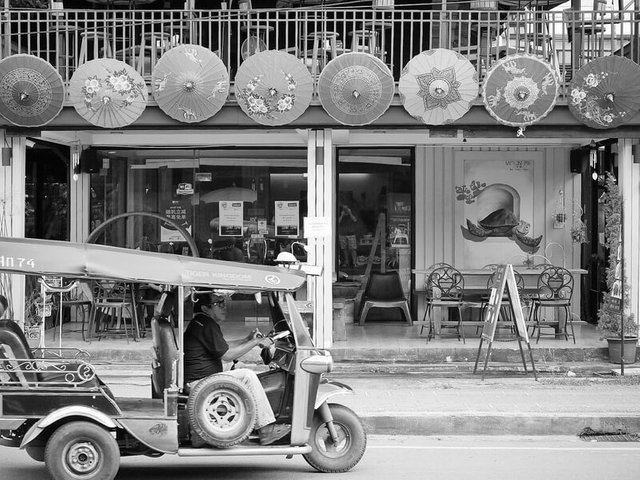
x=82, y=451
x=330, y=457
x=222, y=411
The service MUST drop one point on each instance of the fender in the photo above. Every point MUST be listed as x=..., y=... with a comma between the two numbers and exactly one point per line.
x=68, y=412
x=330, y=388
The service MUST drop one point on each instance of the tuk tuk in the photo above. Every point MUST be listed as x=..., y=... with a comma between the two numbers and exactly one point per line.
x=60, y=412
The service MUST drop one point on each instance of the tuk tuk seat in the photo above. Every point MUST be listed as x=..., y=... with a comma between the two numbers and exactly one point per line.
x=22, y=368
x=165, y=350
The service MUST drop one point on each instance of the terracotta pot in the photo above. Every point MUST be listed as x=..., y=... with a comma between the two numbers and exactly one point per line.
x=630, y=348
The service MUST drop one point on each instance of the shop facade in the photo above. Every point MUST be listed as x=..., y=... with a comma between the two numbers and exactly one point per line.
x=418, y=187
x=470, y=193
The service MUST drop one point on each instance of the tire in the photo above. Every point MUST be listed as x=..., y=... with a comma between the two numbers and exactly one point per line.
x=222, y=411
x=36, y=453
x=82, y=451
x=329, y=458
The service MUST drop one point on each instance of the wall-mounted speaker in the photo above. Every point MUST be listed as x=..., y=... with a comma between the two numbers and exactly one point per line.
x=89, y=161
x=578, y=158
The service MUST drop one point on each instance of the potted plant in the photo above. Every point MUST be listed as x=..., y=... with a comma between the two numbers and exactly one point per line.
x=612, y=310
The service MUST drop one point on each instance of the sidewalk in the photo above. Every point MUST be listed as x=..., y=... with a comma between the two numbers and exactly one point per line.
x=404, y=386
x=496, y=406
x=505, y=403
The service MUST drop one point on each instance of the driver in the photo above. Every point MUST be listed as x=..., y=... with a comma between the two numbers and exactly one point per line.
x=205, y=348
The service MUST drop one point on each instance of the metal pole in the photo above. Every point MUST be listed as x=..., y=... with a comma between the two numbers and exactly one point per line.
x=621, y=288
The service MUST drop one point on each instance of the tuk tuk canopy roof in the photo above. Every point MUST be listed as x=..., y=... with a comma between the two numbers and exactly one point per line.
x=90, y=261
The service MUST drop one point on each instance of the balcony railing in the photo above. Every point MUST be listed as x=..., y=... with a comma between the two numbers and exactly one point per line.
x=567, y=39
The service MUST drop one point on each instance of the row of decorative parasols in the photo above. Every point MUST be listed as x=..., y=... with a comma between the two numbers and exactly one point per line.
x=191, y=84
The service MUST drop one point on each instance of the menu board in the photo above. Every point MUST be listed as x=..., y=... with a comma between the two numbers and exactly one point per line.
x=504, y=278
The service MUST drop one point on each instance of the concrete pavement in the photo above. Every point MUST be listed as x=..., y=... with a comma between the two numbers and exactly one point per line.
x=436, y=402
x=404, y=386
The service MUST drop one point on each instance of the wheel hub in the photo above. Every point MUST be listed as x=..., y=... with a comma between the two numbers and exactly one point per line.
x=223, y=411
x=330, y=448
x=83, y=457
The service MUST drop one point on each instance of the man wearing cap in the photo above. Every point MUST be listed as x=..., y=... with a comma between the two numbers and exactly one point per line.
x=205, y=348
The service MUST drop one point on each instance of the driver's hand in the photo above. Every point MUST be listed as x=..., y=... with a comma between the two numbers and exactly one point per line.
x=255, y=334
x=266, y=342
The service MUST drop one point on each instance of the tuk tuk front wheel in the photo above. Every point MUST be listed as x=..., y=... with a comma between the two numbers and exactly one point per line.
x=82, y=451
x=333, y=457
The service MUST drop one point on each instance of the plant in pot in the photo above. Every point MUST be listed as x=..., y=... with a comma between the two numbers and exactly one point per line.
x=613, y=309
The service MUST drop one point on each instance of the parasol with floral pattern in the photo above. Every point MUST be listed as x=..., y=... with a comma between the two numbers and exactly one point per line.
x=437, y=86
x=190, y=83
x=273, y=87
x=356, y=88
x=108, y=93
x=31, y=90
x=605, y=92
x=520, y=90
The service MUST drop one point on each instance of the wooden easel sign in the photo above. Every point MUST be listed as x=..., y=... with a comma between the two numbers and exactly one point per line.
x=504, y=278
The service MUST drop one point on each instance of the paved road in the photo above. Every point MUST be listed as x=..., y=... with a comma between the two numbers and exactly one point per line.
x=460, y=458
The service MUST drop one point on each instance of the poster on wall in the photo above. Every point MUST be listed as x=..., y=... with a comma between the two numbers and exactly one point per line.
x=497, y=226
x=180, y=213
x=287, y=218
x=231, y=219
x=399, y=219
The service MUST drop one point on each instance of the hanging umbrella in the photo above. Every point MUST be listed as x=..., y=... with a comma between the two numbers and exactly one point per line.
x=605, y=92
x=273, y=88
x=228, y=194
x=108, y=93
x=356, y=88
x=437, y=86
x=190, y=83
x=520, y=90
x=31, y=90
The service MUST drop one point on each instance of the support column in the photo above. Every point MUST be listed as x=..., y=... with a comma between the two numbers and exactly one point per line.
x=12, y=202
x=320, y=200
x=629, y=181
x=79, y=211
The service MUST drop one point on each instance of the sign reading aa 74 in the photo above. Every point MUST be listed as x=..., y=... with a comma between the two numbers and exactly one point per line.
x=12, y=262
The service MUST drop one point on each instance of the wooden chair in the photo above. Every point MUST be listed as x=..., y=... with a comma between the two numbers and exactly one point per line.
x=444, y=289
x=555, y=289
x=384, y=290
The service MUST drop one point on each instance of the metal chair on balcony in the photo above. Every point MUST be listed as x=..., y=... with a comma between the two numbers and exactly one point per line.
x=384, y=290
x=527, y=32
x=97, y=42
x=555, y=289
x=588, y=31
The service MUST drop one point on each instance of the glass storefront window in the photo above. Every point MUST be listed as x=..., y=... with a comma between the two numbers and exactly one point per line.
x=242, y=205
x=375, y=194
x=47, y=192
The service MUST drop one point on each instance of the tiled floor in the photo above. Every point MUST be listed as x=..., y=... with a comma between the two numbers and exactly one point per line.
x=374, y=335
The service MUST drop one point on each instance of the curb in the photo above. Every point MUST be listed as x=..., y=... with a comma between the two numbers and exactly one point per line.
x=443, y=423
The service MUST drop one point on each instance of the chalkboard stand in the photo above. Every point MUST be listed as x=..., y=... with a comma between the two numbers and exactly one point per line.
x=504, y=278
